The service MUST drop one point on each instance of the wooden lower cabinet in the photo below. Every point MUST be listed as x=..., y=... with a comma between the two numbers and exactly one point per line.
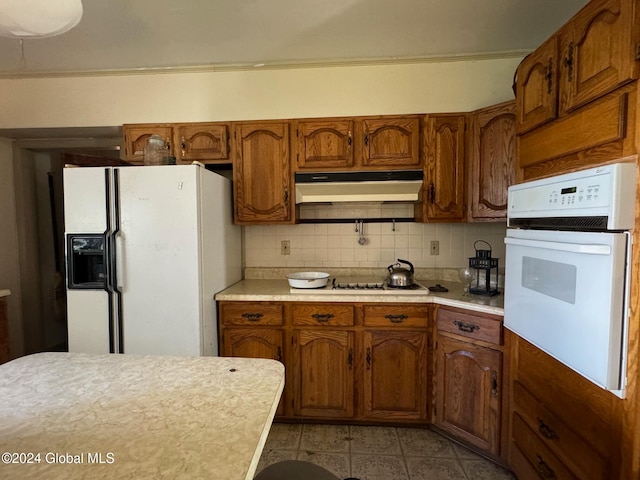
x=562, y=425
x=395, y=375
x=468, y=392
x=343, y=361
x=323, y=373
x=469, y=378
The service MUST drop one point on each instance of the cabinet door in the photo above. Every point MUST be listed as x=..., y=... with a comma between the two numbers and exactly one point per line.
x=136, y=137
x=492, y=160
x=536, y=87
x=391, y=142
x=323, y=373
x=444, y=180
x=324, y=144
x=261, y=173
x=468, y=391
x=598, y=52
x=395, y=375
x=204, y=142
x=255, y=343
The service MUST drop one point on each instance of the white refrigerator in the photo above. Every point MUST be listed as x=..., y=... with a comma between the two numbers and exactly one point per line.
x=147, y=248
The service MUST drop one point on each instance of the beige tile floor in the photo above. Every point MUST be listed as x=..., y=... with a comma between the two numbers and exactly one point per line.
x=378, y=453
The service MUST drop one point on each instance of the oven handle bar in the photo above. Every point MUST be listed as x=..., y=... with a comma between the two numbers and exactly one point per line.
x=591, y=249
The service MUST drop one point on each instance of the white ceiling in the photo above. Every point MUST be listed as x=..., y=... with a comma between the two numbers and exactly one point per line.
x=136, y=35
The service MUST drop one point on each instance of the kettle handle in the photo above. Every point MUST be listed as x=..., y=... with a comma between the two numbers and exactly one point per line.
x=408, y=263
x=390, y=267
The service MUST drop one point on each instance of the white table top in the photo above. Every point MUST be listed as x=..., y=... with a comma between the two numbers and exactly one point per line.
x=141, y=416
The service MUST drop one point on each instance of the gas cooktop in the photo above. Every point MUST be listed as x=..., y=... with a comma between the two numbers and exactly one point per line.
x=362, y=286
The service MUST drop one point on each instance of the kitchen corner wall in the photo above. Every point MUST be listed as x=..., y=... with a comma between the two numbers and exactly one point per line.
x=336, y=245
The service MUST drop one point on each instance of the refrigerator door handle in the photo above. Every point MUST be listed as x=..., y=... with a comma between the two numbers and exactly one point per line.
x=108, y=247
x=115, y=259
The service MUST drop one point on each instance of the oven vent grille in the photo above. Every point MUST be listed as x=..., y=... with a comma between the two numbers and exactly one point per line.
x=596, y=224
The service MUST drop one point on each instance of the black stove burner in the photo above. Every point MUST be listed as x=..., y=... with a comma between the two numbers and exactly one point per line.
x=413, y=286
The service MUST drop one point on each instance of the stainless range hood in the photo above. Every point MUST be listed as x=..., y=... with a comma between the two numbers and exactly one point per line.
x=333, y=187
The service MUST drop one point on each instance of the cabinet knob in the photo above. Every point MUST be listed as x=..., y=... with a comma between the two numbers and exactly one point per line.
x=432, y=193
x=350, y=358
x=183, y=145
x=279, y=354
x=494, y=383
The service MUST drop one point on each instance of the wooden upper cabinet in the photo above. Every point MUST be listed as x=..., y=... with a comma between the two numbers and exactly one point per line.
x=536, y=87
x=324, y=143
x=492, y=160
x=136, y=137
x=202, y=142
x=591, y=56
x=444, y=189
x=391, y=142
x=261, y=173
x=598, y=48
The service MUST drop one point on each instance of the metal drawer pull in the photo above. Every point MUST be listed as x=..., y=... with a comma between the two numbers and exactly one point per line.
x=322, y=317
x=396, y=318
x=466, y=327
x=544, y=469
x=253, y=317
x=368, y=358
x=546, y=431
x=350, y=358
x=279, y=354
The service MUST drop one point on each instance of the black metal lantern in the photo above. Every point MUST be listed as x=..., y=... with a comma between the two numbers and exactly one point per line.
x=486, y=271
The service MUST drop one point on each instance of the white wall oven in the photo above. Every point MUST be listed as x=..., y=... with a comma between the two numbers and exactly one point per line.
x=568, y=248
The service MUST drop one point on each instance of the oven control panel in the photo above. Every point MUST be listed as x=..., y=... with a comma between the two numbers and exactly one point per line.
x=607, y=192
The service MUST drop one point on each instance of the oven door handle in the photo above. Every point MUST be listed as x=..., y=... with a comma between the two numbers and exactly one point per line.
x=591, y=249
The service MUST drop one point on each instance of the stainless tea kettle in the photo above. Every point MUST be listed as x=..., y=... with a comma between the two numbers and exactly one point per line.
x=400, y=276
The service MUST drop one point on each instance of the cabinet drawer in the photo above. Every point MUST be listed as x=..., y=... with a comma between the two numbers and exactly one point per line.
x=396, y=316
x=484, y=328
x=560, y=390
x=537, y=454
x=323, y=314
x=247, y=313
x=571, y=448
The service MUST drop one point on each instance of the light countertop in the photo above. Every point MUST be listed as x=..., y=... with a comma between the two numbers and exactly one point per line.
x=279, y=291
x=143, y=416
x=4, y=293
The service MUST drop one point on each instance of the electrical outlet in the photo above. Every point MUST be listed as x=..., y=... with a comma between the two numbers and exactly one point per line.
x=285, y=247
x=435, y=247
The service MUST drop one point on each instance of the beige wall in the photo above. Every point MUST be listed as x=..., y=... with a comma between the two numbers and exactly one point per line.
x=427, y=87
x=9, y=264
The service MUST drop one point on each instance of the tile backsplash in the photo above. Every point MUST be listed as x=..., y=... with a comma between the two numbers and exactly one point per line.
x=336, y=244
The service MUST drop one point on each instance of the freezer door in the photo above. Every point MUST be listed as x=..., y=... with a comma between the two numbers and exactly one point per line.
x=85, y=199
x=159, y=264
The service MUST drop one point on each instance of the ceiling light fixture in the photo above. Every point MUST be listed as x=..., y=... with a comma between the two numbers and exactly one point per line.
x=38, y=18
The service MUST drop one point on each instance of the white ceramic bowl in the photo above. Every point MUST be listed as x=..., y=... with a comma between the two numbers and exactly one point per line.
x=308, y=279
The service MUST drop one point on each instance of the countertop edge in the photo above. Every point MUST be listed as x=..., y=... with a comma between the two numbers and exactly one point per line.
x=278, y=291
x=5, y=293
